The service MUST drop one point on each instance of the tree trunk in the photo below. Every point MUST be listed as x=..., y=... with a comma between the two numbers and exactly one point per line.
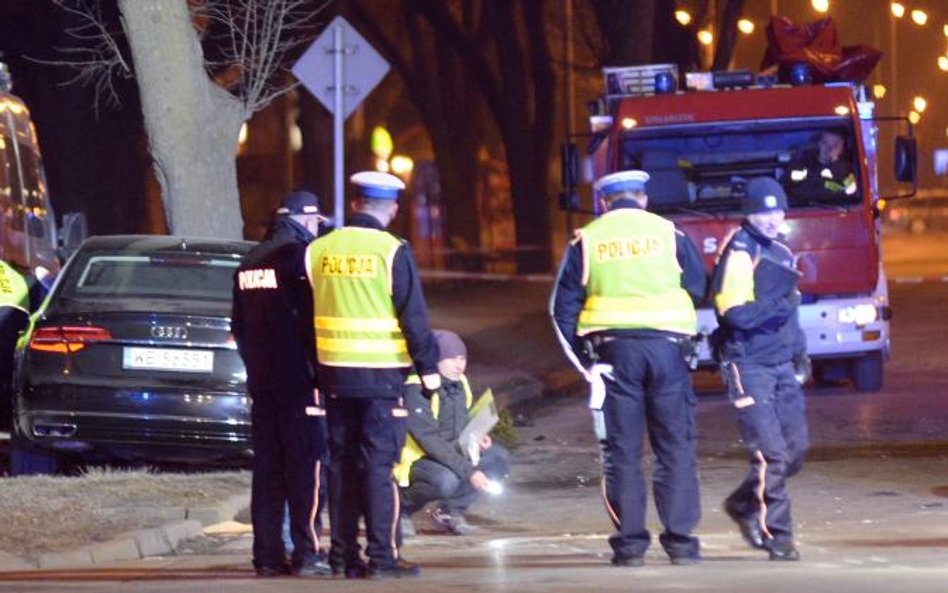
x=192, y=124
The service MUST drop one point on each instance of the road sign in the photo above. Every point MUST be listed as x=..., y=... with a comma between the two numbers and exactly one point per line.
x=340, y=68
x=362, y=67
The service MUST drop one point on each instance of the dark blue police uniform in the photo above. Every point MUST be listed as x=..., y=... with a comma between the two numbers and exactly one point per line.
x=366, y=421
x=271, y=323
x=649, y=384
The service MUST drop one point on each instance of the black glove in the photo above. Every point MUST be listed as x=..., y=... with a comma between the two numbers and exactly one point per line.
x=429, y=393
x=802, y=368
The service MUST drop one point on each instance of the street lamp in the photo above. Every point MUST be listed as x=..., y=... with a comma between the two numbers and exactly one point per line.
x=745, y=26
x=705, y=37
x=878, y=91
x=898, y=10
x=914, y=117
x=820, y=5
x=920, y=104
x=683, y=17
x=943, y=63
x=920, y=17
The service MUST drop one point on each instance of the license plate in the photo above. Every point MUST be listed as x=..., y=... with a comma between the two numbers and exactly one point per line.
x=168, y=359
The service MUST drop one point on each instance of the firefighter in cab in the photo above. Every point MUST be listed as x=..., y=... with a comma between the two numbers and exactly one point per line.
x=824, y=170
x=623, y=306
x=372, y=331
x=271, y=322
x=762, y=351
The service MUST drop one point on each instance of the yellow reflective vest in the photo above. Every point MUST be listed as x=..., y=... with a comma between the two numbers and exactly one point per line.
x=350, y=271
x=412, y=451
x=632, y=276
x=14, y=291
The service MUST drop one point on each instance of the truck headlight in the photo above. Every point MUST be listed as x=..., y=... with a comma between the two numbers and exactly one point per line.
x=858, y=314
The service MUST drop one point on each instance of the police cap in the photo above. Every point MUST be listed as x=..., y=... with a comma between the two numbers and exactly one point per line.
x=300, y=202
x=763, y=194
x=377, y=185
x=620, y=181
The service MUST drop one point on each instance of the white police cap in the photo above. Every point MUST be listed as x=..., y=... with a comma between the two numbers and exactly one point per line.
x=378, y=185
x=632, y=180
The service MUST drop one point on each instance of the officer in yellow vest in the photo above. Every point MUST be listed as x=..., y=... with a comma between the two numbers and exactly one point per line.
x=623, y=309
x=15, y=310
x=372, y=331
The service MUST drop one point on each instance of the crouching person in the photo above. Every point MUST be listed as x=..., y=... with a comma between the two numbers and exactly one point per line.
x=433, y=466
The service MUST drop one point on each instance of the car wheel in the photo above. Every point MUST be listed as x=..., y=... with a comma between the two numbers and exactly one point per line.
x=26, y=459
x=867, y=372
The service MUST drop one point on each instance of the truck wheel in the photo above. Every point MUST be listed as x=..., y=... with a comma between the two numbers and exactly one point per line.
x=26, y=459
x=867, y=372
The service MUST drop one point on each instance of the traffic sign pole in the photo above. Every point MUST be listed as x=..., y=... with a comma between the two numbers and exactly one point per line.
x=340, y=68
x=338, y=121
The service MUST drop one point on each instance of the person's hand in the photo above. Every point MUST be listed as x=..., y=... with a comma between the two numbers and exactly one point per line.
x=484, y=442
x=802, y=368
x=480, y=481
x=430, y=384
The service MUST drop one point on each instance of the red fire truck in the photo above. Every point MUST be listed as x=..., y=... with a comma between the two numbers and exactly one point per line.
x=701, y=146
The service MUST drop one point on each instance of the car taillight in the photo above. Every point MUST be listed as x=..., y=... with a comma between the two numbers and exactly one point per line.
x=66, y=339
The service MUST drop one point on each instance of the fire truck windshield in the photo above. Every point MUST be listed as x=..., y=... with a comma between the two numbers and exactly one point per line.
x=705, y=168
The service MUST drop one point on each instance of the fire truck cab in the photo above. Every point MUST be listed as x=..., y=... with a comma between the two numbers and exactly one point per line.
x=701, y=146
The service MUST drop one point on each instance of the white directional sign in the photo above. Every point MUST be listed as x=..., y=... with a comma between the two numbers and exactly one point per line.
x=362, y=67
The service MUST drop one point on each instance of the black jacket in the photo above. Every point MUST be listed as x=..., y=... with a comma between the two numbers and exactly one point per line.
x=412, y=314
x=438, y=437
x=766, y=328
x=273, y=312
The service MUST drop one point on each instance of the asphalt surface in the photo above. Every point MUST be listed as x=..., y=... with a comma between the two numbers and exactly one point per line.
x=869, y=506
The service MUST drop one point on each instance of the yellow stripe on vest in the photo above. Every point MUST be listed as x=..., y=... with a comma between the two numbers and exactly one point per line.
x=382, y=345
x=356, y=324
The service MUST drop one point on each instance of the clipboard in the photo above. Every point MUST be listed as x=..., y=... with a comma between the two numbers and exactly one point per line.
x=481, y=419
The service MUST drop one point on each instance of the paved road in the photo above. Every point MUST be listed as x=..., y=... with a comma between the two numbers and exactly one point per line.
x=870, y=505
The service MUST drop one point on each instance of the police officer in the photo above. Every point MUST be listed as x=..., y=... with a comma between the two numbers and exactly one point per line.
x=371, y=329
x=15, y=306
x=764, y=362
x=272, y=325
x=626, y=286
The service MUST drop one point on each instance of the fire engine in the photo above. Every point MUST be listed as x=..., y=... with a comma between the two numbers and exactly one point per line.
x=701, y=145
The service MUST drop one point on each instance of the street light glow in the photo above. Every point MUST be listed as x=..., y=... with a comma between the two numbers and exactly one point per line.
x=920, y=17
x=705, y=37
x=402, y=165
x=943, y=63
x=920, y=104
x=878, y=91
x=745, y=26
x=898, y=10
x=914, y=117
x=820, y=5
x=683, y=17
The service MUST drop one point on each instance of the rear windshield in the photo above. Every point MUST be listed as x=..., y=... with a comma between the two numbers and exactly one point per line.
x=176, y=282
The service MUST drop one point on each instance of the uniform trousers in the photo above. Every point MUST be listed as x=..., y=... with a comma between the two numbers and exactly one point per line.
x=650, y=389
x=771, y=415
x=288, y=445
x=366, y=436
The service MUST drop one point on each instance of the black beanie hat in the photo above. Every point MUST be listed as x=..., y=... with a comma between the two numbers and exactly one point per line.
x=763, y=194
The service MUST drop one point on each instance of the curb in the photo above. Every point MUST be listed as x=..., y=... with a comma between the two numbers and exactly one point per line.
x=187, y=523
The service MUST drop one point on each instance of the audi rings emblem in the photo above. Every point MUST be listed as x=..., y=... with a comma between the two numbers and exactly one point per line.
x=174, y=332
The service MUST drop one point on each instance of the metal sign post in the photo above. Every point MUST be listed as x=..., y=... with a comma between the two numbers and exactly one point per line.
x=340, y=68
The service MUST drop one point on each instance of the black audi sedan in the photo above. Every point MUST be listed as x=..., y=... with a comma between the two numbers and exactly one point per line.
x=131, y=359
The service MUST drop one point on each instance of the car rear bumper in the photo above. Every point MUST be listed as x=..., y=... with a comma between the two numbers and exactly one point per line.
x=153, y=425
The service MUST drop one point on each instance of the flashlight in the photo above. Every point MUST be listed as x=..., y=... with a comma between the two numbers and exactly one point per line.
x=494, y=487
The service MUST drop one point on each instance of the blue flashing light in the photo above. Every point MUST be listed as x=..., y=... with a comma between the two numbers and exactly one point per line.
x=800, y=75
x=665, y=83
